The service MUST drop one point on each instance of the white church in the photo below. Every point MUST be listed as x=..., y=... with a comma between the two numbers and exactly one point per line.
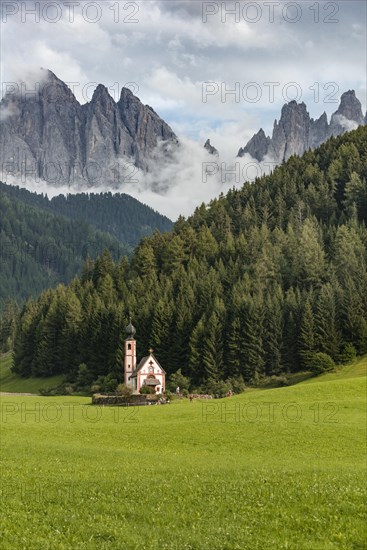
x=147, y=373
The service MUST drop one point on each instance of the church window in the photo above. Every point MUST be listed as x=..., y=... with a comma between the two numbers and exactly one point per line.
x=129, y=346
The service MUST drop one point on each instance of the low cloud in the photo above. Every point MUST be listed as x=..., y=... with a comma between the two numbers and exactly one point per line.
x=179, y=179
x=345, y=123
x=188, y=175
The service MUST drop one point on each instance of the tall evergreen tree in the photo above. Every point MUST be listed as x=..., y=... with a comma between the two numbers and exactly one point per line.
x=307, y=338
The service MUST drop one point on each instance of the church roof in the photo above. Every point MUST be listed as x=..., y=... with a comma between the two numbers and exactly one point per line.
x=142, y=363
x=152, y=382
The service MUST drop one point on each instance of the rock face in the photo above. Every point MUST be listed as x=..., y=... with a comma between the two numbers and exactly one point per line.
x=319, y=131
x=291, y=133
x=296, y=132
x=210, y=148
x=51, y=136
x=257, y=147
x=348, y=116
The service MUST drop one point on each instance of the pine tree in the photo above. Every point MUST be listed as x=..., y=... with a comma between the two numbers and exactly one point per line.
x=212, y=354
x=160, y=334
x=196, y=353
x=273, y=329
x=70, y=333
x=356, y=195
x=144, y=262
x=327, y=335
x=103, y=266
x=310, y=257
x=251, y=315
x=307, y=339
x=354, y=320
x=234, y=359
x=48, y=359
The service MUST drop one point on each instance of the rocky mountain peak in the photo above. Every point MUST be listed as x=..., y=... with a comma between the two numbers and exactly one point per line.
x=293, y=110
x=53, y=128
x=142, y=122
x=257, y=147
x=210, y=148
x=291, y=132
x=101, y=102
x=54, y=90
x=296, y=132
x=319, y=131
x=101, y=92
x=348, y=115
x=350, y=107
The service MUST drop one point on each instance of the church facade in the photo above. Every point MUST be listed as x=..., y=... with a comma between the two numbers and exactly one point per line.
x=147, y=373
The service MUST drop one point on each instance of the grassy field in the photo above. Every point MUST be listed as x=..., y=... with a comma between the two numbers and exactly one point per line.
x=357, y=368
x=272, y=469
x=10, y=382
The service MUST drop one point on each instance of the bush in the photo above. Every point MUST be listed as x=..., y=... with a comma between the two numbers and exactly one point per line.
x=62, y=389
x=110, y=382
x=146, y=390
x=217, y=388
x=100, y=384
x=237, y=385
x=279, y=380
x=84, y=377
x=111, y=385
x=321, y=362
x=198, y=390
x=177, y=379
x=124, y=390
x=256, y=379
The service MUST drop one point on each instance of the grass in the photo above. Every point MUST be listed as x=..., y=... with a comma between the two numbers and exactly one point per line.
x=10, y=382
x=271, y=469
x=354, y=369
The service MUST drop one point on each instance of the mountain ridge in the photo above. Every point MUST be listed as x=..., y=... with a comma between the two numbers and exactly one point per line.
x=296, y=131
x=55, y=138
x=45, y=241
x=129, y=220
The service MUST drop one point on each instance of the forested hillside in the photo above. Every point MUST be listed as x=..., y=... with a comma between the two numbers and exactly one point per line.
x=122, y=216
x=257, y=283
x=40, y=249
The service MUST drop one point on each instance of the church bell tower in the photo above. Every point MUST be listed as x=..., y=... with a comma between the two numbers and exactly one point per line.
x=130, y=353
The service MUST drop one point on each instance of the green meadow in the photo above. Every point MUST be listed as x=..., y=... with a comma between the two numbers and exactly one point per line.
x=282, y=468
x=10, y=382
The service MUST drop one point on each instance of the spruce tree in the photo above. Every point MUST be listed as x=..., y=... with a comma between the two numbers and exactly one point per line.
x=307, y=337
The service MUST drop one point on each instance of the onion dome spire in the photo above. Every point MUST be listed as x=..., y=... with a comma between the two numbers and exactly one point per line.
x=130, y=331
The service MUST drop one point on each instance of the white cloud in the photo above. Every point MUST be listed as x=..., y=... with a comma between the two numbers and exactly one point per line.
x=175, y=184
x=346, y=124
